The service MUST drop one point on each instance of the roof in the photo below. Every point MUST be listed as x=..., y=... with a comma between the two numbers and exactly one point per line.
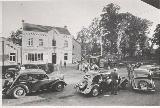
x=32, y=71
x=41, y=28
x=62, y=30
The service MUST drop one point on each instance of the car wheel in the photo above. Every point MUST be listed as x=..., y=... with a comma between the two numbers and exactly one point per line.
x=95, y=91
x=7, y=75
x=19, y=92
x=143, y=85
x=59, y=87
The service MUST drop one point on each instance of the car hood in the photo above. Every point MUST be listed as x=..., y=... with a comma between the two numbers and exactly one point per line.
x=55, y=76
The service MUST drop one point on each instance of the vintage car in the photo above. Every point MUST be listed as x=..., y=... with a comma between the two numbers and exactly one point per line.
x=141, y=79
x=155, y=70
x=11, y=72
x=32, y=80
x=96, y=82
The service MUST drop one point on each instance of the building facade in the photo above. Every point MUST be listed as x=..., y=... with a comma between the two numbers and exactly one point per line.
x=10, y=53
x=76, y=51
x=46, y=44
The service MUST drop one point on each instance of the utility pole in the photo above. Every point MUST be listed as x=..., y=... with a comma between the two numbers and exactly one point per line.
x=22, y=41
x=2, y=54
x=101, y=34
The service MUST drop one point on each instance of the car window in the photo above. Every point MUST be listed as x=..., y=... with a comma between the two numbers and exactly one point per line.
x=43, y=76
x=23, y=78
x=31, y=66
x=35, y=77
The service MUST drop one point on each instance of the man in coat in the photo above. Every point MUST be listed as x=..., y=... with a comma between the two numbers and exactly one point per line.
x=114, y=83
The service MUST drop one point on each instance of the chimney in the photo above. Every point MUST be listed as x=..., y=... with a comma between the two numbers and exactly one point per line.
x=22, y=21
x=65, y=27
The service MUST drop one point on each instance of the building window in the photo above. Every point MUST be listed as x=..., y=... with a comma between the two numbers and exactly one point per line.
x=32, y=57
x=65, y=56
x=12, y=57
x=35, y=57
x=53, y=42
x=30, y=42
x=40, y=42
x=73, y=46
x=65, y=43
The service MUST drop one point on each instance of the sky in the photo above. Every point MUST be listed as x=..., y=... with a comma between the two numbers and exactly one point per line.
x=74, y=14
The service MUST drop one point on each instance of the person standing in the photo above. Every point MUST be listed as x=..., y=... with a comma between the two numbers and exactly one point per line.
x=114, y=83
x=65, y=64
x=61, y=64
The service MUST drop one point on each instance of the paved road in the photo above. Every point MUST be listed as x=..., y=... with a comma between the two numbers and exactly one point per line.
x=71, y=98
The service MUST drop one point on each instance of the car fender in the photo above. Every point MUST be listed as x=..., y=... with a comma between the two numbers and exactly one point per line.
x=89, y=88
x=58, y=81
x=21, y=85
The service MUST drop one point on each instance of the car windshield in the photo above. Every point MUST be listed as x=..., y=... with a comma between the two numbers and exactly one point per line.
x=155, y=69
x=31, y=67
x=141, y=73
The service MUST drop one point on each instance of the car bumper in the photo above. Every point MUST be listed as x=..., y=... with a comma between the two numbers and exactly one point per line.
x=152, y=90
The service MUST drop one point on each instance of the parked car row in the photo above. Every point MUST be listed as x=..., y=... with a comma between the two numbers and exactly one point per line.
x=94, y=82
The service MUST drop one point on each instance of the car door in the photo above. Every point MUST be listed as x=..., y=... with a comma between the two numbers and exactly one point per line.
x=40, y=81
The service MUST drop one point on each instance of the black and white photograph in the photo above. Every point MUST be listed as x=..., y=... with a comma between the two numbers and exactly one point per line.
x=80, y=53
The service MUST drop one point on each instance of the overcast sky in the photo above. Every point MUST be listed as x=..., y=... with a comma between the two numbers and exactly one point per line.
x=73, y=13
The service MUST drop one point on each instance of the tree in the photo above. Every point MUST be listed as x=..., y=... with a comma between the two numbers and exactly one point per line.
x=16, y=37
x=83, y=38
x=108, y=24
x=126, y=31
x=156, y=36
x=121, y=33
x=156, y=41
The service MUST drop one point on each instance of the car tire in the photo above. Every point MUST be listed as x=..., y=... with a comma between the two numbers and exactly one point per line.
x=59, y=87
x=142, y=85
x=7, y=75
x=18, y=92
x=95, y=91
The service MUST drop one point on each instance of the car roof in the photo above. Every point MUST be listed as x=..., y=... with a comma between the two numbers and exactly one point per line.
x=92, y=73
x=30, y=64
x=11, y=69
x=141, y=70
x=32, y=71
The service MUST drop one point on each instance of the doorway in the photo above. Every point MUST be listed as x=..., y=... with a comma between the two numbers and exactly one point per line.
x=53, y=58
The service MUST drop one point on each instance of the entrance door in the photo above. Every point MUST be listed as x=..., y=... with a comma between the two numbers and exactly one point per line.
x=53, y=58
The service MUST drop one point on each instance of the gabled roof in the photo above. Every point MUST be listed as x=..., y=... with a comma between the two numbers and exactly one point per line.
x=41, y=28
x=62, y=30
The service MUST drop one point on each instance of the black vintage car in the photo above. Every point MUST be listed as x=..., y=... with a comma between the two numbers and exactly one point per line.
x=96, y=82
x=32, y=80
x=11, y=72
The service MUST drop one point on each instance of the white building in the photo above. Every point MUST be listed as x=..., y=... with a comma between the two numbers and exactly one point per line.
x=10, y=54
x=76, y=51
x=46, y=44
